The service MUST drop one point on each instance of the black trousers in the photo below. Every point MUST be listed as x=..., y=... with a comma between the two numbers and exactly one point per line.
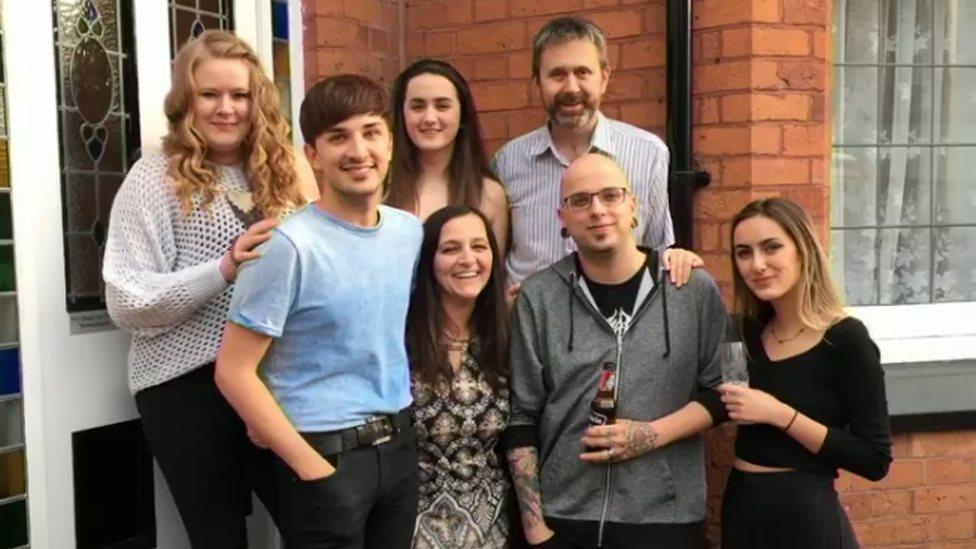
x=579, y=534
x=789, y=510
x=369, y=502
x=211, y=467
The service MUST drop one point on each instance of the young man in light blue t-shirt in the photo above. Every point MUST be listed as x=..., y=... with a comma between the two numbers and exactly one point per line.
x=323, y=312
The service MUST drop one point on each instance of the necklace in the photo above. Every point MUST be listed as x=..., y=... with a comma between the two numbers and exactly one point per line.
x=772, y=332
x=456, y=344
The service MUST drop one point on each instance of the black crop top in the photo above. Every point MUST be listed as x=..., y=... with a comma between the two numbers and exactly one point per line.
x=839, y=383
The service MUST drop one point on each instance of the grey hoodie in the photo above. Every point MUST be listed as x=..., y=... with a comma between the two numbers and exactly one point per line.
x=666, y=358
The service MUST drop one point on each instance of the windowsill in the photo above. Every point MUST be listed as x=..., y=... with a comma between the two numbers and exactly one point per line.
x=931, y=332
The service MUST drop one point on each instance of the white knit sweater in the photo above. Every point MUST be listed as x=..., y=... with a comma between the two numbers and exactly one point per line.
x=162, y=275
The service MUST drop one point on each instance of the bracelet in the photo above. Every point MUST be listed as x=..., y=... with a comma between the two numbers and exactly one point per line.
x=790, y=424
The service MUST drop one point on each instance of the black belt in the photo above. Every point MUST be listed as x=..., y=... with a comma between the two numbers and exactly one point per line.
x=376, y=431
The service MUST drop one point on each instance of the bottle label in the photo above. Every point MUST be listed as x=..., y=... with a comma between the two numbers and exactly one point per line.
x=596, y=418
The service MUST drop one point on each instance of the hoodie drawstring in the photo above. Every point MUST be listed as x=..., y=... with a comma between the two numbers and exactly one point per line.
x=664, y=308
x=572, y=290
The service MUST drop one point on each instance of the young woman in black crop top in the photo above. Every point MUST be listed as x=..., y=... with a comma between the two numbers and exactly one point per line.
x=816, y=401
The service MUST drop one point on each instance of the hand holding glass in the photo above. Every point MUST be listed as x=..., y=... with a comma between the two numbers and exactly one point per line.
x=732, y=356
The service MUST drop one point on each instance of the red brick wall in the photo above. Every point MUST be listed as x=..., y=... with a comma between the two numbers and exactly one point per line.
x=358, y=36
x=761, y=117
x=490, y=43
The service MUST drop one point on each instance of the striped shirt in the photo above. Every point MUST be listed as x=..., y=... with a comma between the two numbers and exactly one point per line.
x=531, y=169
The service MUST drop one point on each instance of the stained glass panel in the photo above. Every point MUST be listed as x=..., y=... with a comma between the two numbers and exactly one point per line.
x=99, y=125
x=11, y=423
x=282, y=55
x=12, y=481
x=189, y=18
x=13, y=517
x=9, y=371
x=8, y=319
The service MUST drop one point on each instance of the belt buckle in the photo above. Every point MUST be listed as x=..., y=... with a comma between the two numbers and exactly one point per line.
x=380, y=427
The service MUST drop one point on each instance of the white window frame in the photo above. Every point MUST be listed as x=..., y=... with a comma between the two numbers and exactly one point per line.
x=929, y=332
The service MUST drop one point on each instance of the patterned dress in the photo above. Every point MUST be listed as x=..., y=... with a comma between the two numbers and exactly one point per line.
x=463, y=487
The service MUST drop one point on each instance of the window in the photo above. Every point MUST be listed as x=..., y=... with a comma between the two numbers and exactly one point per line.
x=13, y=481
x=99, y=132
x=903, y=197
x=189, y=18
x=282, y=55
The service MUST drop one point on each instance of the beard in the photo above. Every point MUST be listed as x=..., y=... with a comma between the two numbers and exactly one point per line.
x=577, y=121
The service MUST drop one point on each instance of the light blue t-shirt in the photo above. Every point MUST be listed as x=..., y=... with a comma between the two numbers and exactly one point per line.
x=335, y=297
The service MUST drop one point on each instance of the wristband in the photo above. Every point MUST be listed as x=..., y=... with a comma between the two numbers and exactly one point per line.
x=792, y=419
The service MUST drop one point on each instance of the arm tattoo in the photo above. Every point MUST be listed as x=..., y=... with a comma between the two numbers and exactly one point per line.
x=641, y=438
x=524, y=463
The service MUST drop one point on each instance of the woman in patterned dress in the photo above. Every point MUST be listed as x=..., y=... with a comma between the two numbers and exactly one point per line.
x=457, y=338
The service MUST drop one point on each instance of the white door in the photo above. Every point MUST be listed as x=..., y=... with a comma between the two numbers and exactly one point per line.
x=73, y=367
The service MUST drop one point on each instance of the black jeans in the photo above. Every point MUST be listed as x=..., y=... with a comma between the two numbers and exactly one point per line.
x=211, y=467
x=369, y=502
x=580, y=534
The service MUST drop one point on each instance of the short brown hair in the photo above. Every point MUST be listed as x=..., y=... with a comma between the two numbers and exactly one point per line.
x=339, y=98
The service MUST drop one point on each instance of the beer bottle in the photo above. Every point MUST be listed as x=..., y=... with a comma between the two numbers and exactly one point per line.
x=603, y=408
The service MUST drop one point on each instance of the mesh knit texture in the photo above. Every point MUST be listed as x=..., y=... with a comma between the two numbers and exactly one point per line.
x=162, y=274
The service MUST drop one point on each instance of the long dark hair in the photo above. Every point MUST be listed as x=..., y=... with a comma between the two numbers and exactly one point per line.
x=425, y=320
x=469, y=164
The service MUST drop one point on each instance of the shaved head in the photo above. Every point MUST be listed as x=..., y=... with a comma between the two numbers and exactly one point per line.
x=593, y=166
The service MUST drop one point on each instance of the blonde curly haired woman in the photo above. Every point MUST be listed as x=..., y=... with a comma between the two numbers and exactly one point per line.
x=182, y=223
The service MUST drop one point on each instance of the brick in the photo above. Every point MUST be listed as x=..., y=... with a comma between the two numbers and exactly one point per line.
x=439, y=14
x=340, y=33
x=326, y=7
x=718, y=265
x=587, y=4
x=618, y=23
x=708, y=110
x=415, y=45
x=805, y=140
x=813, y=12
x=890, y=503
x=530, y=8
x=389, y=16
x=522, y=122
x=891, y=531
x=758, y=107
x=759, y=41
x=711, y=46
x=944, y=443
x=625, y=86
x=491, y=68
x=717, y=13
x=720, y=205
x=803, y=75
x=781, y=171
x=723, y=76
x=655, y=18
x=492, y=38
x=948, y=471
x=382, y=40
x=494, y=125
x=954, y=526
x=708, y=237
x=643, y=53
x=943, y=499
x=856, y=505
x=901, y=445
x=813, y=200
x=736, y=171
x=438, y=43
x=644, y=114
x=520, y=65
x=736, y=140
x=821, y=44
x=490, y=10
x=901, y=474
x=500, y=96
x=334, y=61
x=360, y=10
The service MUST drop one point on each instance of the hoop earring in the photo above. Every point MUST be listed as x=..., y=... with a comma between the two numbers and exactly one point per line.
x=564, y=233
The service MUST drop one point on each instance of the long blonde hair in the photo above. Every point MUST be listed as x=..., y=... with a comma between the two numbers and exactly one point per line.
x=270, y=163
x=819, y=306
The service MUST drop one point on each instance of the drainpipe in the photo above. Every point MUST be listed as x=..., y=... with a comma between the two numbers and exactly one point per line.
x=683, y=180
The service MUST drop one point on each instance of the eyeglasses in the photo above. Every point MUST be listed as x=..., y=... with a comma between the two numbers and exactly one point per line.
x=609, y=196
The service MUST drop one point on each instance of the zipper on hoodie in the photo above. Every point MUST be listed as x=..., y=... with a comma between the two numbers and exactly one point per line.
x=619, y=336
